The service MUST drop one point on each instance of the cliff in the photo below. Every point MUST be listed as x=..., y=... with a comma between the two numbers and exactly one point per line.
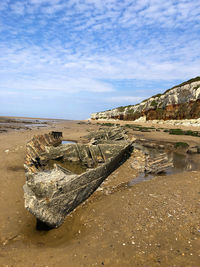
x=180, y=102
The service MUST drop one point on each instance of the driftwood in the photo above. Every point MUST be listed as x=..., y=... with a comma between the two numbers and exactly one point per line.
x=157, y=164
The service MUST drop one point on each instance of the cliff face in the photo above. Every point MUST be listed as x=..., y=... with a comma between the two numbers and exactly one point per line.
x=179, y=102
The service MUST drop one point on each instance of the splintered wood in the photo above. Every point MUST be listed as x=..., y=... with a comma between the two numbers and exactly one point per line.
x=157, y=164
x=36, y=147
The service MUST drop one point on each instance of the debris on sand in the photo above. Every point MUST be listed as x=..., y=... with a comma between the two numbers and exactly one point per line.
x=109, y=135
x=157, y=164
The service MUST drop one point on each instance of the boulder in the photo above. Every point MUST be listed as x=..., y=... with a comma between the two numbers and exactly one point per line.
x=192, y=150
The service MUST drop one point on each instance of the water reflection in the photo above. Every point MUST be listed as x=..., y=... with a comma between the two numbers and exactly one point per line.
x=68, y=142
x=74, y=167
x=35, y=125
x=181, y=163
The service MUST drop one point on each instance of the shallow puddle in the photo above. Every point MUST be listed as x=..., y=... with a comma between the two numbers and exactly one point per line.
x=74, y=167
x=35, y=125
x=141, y=178
x=68, y=142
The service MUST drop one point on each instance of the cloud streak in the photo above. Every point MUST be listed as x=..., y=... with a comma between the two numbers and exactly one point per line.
x=80, y=46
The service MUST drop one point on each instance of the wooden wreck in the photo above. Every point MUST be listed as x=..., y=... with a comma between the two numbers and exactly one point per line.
x=52, y=190
x=158, y=164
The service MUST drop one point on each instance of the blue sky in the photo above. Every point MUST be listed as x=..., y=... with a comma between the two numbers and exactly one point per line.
x=67, y=59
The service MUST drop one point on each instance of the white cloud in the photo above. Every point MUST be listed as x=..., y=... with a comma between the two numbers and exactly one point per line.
x=18, y=8
x=35, y=68
x=3, y=4
x=96, y=41
x=8, y=93
x=57, y=84
x=40, y=2
x=124, y=99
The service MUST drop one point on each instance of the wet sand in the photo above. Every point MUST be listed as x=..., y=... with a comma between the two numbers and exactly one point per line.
x=154, y=223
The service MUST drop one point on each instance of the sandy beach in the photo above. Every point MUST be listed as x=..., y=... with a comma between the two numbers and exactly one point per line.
x=153, y=223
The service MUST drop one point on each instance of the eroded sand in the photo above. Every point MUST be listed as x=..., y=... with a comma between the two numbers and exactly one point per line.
x=154, y=223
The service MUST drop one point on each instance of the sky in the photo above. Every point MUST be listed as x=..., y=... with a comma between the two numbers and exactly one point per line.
x=70, y=58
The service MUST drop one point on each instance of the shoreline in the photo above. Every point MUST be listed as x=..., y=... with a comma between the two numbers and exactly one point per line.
x=158, y=123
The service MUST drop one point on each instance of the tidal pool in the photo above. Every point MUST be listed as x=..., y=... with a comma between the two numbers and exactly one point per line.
x=181, y=162
x=68, y=142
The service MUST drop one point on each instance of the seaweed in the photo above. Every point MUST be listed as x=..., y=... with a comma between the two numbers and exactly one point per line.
x=181, y=145
x=181, y=132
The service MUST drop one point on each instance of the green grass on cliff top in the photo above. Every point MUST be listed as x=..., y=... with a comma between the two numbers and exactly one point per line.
x=196, y=79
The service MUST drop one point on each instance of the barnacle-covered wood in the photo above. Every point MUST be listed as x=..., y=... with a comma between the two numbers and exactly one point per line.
x=36, y=150
x=107, y=135
x=51, y=192
x=157, y=164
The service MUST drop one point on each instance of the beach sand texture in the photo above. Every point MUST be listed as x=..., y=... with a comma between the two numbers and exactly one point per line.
x=154, y=223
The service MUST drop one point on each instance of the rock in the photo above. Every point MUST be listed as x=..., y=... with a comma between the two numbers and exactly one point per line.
x=138, y=162
x=136, y=165
x=141, y=119
x=179, y=102
x=192, y=150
